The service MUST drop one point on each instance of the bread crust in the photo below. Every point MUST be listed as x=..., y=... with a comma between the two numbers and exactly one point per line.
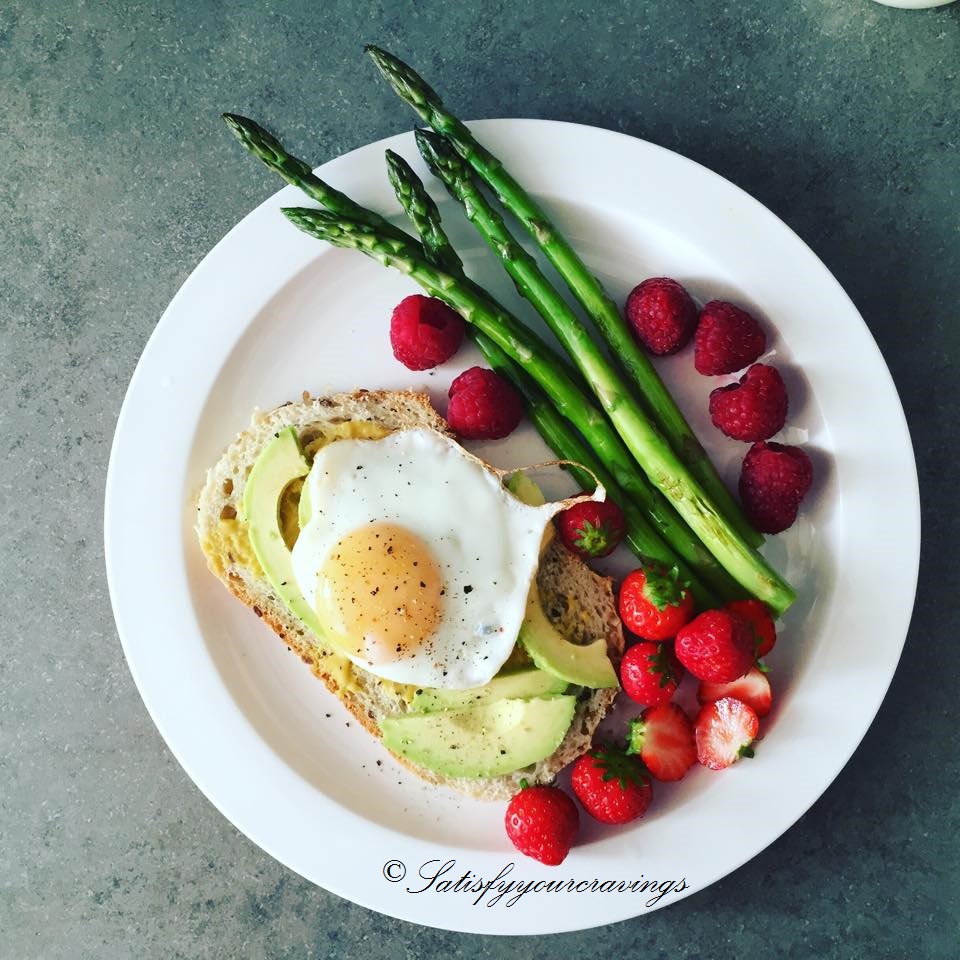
x=578, y=601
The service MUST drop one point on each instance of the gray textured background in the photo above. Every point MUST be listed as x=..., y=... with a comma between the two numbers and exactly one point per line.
x=840, y=115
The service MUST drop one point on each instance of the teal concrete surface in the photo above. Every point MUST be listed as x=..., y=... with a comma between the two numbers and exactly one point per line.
x=842, y=116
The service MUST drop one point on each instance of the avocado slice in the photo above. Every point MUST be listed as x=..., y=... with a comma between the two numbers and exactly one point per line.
x=586, y=665
x=280, y=463
x=484, y=741
x=515, y=685
x=525, y=490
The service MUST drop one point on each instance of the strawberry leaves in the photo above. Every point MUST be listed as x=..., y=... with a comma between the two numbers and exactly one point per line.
x=664, y=588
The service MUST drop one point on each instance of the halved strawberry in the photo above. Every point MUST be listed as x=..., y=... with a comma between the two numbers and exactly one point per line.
x=753, y=689
x=724, y=731
x=663, y=737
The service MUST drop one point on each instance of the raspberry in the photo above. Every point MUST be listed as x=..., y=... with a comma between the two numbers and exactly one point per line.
x=774, y=479
x=483, y=406
x=424, y=332
x=753, y=409
x=662, y=315
x=727, y=339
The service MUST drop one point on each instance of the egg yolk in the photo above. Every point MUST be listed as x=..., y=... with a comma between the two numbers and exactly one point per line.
x=382, y=587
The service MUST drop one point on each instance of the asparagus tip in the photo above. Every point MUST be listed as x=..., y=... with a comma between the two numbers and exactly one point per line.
x=423, y=135
x=242, y=126
x=298, y=215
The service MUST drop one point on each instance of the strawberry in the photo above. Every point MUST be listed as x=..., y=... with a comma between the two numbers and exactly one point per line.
x=717, y=646
x=764, y=629
x=542, y=823
x=753, y=689
x=663, y=737
x=724, y=731
x=654, y=603
x=612, y=787
x=650, y=673
x=591, y=528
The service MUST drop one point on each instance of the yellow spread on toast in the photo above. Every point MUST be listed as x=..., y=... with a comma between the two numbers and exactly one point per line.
x=231, y=542
x=349, y=430
x=289, y=522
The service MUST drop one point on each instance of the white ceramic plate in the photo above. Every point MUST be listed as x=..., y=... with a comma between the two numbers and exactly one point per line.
x=915, y=4
x=270, y=312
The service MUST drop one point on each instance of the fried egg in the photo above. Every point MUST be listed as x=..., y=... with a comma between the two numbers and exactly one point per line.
x=416, y=558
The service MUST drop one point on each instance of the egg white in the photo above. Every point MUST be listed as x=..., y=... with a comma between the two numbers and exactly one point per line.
x=485, y=541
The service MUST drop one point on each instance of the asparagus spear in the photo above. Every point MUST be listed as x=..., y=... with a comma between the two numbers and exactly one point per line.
x=666, y=524
x=750, y=569
x=641, y=537
x=266, y=147
x=423, y=214
x=648, y=446
x=413, y=89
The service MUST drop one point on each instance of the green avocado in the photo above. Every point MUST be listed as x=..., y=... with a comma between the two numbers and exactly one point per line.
x=525, y=490
x=515, y=685
x=585, y=665
x=279, y=464
x=484, y=741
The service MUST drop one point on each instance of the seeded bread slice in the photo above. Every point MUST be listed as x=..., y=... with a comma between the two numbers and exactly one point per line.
x=578, y=601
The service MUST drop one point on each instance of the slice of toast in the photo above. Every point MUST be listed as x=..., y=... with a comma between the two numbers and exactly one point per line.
x=578, y=601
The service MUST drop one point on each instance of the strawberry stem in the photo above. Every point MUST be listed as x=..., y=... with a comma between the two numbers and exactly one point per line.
x=660, y=664
x=618, y=765
x=663, y=587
